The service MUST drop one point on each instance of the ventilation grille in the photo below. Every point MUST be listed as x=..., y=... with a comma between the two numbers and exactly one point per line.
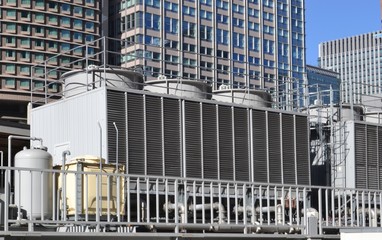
x=192, y=134
x=360, y=156
x=225, y=143
x=288, y=149
x=274, y=148
x=260, y=168
x=241, y=144
x=302, y=152
x=380, y=156
x=372, y=157
x=116, y=106
x=210, y=156
x=135, y=125
x=154, y=136
x=172, y=149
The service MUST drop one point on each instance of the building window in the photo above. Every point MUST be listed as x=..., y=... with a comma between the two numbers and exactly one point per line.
x=65, y=47
x=77, y=11
x=10, y=27
x=222, y=36
x=40, y=4
x=10, y=54
x=89, y=26
x=25, y=42
x=77, y=37
x=65, y=21
x=222, y=18
x=238, y=40
x=65, y=34
x=237, y=8
x=10, y=41
x=10, y=68
x=53, y=6
x=238, y=22
x=65, y=8
x=52, y=19
x=206, y=14
x=188, y=10
x=171, y=25
x=170, y=6
x=152, y=21
x=25, y=70
x=26, y=16
x=52, y=32
x=90, y=2
x=153, y=3
x=89, y=13
x=39, y=31
x=11, y=14
x=40, y=17
x=77, y=23
x=253, y=26
x=222, y=4
x=206, y=2
x=9, y=83
x=25, y=84
x=269, y=46
x=39, y=44
x=206, y=33
x=254, y=43
x=25, y=56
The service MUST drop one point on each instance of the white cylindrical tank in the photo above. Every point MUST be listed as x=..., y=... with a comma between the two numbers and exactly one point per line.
x=249, y=97
x=33, y=189
x=80, y=81
x=179, y=87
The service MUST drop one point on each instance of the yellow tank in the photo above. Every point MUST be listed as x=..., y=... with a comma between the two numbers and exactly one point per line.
x=85, y=185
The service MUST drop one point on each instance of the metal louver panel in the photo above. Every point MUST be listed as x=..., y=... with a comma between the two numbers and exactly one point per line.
x=210, y=157
x=360, y=156
x=225, y=143
x=372, y=157
x=274, y=146
x=302, y=152
x=172, y=145
x=154, y=135
x=241, y=144
x=260, y=167
x=116, y=113
x=192, y=143
x=289, y=172
x=135, y=127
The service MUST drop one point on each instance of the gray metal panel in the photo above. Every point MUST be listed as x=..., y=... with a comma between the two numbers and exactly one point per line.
x=172, y=140
x=154, y=135
x=289, y=172
x=241, y=144
x=225, y=143
x=135, y=127
x=275, y=171
x=302, y=151
x=380, y=157
x=192, y=139
x=116, y=105
x=260, y=168
x=360, y=156
x=210, y=146
x=72, y=124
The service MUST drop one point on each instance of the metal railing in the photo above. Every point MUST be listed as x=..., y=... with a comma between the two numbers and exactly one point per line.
x=96, y=201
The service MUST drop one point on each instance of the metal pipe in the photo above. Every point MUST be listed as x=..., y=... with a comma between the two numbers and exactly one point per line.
x=63, y=179
x=116, y=147
x=216, y=206
x=100, y=145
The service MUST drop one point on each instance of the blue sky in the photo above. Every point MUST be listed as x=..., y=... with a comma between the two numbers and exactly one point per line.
x=333, y=19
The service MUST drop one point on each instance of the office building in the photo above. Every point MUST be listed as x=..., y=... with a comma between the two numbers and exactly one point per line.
x=33, y=32
x=357, y=60
x=323, y=85
x=244, y=44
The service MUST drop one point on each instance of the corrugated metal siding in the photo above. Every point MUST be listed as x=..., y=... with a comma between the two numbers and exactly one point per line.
x=380, y=157
x=242, y=160
x=116, y=105
x=210, y=146
x=275, y=171
x=192, y=139
x=225, y=143
x=288, y=149
x=72, y=122
x=172, y=141
x=260, y=166
x=154, y=135
x=360, y=156
x=135, y=127
x=302, y=152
